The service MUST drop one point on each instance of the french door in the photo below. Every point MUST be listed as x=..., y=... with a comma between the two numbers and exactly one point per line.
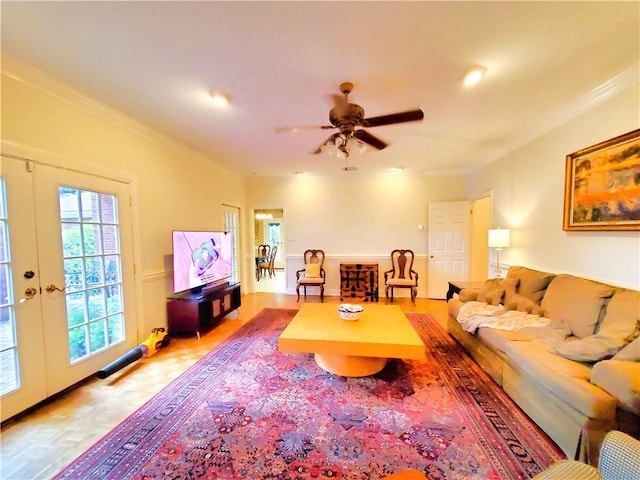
x=67, y=305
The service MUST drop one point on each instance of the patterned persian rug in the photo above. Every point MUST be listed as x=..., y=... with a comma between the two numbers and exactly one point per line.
x=249, y=412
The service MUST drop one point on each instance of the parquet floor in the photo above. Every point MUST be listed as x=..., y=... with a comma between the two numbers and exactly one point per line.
x=38, y=444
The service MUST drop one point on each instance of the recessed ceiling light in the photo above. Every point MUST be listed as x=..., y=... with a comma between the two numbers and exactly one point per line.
x=220, y=99
x=474, y=75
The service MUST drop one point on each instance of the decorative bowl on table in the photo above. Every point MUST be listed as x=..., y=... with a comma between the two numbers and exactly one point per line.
x=350, y=311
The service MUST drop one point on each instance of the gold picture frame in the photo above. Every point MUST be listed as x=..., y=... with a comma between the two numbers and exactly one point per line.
x=602, y=185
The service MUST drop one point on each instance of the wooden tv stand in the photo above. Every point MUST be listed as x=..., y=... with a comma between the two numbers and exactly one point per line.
x=195, y=313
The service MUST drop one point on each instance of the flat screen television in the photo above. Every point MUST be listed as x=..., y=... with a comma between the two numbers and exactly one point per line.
x=200, y=260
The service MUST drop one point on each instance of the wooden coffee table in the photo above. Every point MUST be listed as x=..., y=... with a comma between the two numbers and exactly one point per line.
x=352, y=348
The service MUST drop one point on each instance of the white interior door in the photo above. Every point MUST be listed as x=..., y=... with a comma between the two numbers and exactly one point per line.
x=79, y=249
x=449, y=232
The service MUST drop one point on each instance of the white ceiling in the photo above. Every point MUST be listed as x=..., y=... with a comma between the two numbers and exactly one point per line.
x=281, y=61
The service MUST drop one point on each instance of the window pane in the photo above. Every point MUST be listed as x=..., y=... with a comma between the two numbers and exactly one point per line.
x=112, y=269
x=5, y=285
x=94, y=271
x=116, y=328
x=109, y=208
x=90, y=207
x=96, y=305
x=77, y=343
x=110, y=239
x=4, y=244
x=7, y=331
x=9, y=379
x=92, y=239
x=71, y=240
x=114, y=299
x=75, y=308
x=97, y=336
x=69, y=204
x=74, y=274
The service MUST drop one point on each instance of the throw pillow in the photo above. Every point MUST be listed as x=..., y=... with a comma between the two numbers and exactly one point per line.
x=491, y=292
x=468, y=295
x=577, y=302
x=510, y=285
x=312, y=270
x=533, y=283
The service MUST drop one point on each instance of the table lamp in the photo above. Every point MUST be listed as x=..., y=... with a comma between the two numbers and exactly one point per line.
x=499, y=238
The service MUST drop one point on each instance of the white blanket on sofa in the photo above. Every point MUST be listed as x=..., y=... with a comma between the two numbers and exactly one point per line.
x=473, y=315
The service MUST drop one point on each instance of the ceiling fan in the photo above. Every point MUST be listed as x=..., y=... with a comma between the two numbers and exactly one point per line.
x=346, y=117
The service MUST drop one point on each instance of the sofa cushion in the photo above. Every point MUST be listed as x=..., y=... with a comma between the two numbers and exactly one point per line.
x=497, y=339
x=622, y=380
x=577, y=302
x=622, y=314
x=532, y=283
x=565, y=379
x=618, y=327
x=631, y=352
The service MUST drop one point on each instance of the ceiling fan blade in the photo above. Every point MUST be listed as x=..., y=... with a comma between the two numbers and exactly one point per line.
x=409, y=116
x=366, y=137
x=302, y=127
x=332, y=139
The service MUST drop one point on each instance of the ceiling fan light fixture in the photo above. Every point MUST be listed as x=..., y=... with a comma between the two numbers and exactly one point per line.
x=341, y=146
x=474, y=76
x=220, y=99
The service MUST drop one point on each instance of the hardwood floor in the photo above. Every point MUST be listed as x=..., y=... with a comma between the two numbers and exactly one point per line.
x=37, y=444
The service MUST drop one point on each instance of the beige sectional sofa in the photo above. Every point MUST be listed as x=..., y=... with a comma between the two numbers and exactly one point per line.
x=566, y=349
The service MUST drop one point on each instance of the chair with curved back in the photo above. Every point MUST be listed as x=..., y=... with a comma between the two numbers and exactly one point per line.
x=402, y=274
x=313, y=274
x=262, y=256
x=264, y=250
x=268, y=266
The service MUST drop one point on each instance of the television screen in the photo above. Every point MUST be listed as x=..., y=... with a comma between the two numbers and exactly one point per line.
x=200, y=259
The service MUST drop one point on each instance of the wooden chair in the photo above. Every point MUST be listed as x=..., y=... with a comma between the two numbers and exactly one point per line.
x=267, y=267
x=312, y=275
x=264, y=250
x=261, y=256
x=402, y=274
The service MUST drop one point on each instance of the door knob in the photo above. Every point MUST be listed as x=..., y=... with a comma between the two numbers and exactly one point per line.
x=52, y=288
x=29, y=293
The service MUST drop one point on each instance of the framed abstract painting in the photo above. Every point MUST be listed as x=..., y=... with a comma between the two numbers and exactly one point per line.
x=602, y=185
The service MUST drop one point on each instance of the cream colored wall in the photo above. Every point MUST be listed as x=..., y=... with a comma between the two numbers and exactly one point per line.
x=176, y=188
x=354, y=217
x=528, y=195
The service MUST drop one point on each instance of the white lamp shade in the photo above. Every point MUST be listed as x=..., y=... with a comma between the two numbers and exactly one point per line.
x=499, y=237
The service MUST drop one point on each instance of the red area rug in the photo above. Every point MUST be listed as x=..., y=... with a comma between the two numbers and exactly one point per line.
x=248, y=412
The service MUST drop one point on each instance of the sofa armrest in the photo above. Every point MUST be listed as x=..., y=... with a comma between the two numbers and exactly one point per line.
x=621, y=379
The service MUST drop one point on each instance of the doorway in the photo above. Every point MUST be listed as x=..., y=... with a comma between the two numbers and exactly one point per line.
x=269, y=229
x=67, y=279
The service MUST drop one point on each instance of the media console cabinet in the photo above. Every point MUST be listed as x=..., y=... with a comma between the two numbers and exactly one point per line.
x=195, y=313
